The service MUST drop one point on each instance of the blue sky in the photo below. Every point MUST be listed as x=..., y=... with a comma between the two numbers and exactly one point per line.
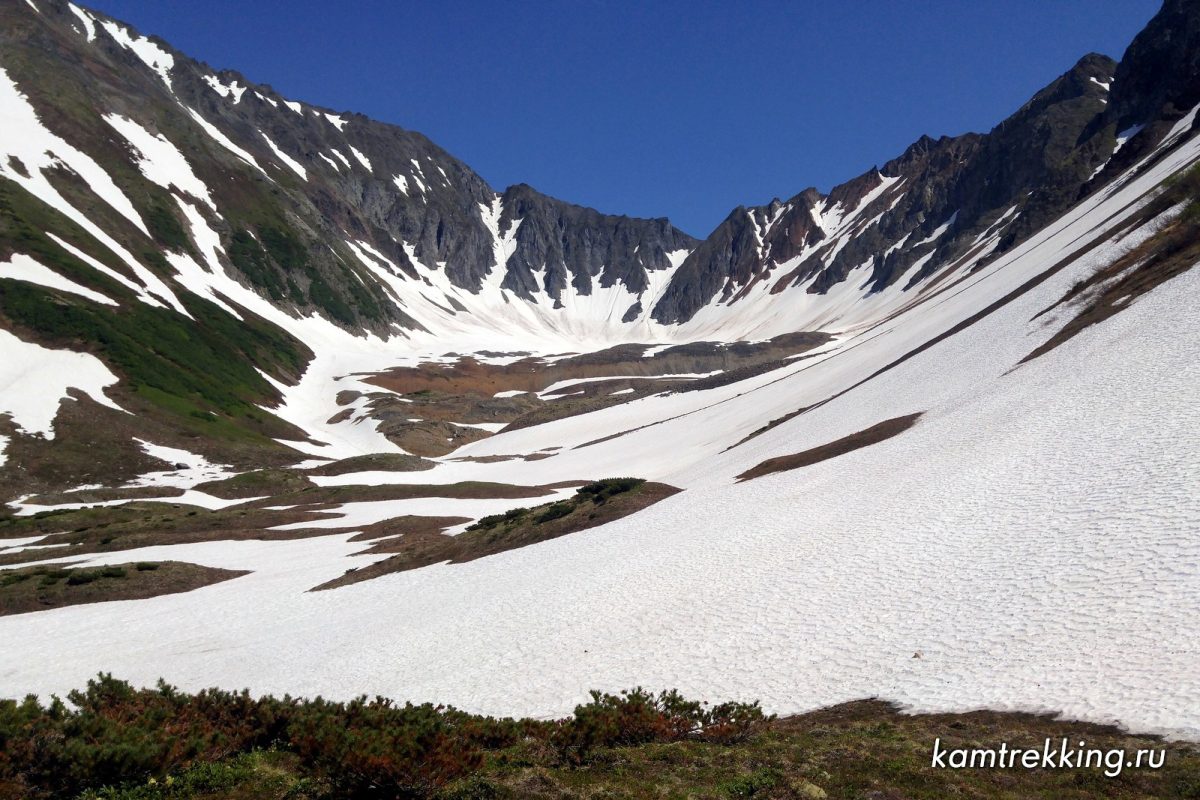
x=679, y=109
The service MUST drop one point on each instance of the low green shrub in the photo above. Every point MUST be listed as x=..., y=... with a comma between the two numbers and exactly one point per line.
x=600, y=491
x=639, y=717
x=555, y=511
x=81, y=577
x=374, y=748
x=755, y=784
x=113, y=742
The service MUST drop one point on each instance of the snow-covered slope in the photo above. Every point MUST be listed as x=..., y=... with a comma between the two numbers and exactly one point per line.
x=1030, y=543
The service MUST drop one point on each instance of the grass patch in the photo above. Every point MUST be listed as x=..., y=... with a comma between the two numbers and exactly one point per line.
x=39, y=588
x=259, y=483
x=593, y=504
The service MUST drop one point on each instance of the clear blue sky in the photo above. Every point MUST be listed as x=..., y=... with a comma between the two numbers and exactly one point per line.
x=669, y=108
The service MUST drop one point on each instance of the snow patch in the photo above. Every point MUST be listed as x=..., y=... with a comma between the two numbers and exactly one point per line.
x=153, y=56
x=224, y=140
x=292, y=164
x=34, y=381
x=193, y=468
x=330, y=162
x=24, y=268
x=232, y=89
x=159, y=160
x=89, y=24
x=362, y=159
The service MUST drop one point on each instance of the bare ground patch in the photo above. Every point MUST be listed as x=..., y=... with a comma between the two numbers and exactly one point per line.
x=23, y=591
x=420, y=543
x=855, y=441
x=1165, y=255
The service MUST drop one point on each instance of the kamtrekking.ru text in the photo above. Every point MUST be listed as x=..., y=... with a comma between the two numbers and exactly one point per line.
x=1053, y=754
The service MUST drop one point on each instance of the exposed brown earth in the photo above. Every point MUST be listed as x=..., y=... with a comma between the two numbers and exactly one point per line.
x=420, y=544
x=77, y=532
x=769, y=426
x=496, y=459
x=388, y=536
x=40, y=588
x=133, y=525
x=376, y=462
x=855, y=441
x=103, y=495
x=436, y=395
x=259, y=483
x=1167, y=254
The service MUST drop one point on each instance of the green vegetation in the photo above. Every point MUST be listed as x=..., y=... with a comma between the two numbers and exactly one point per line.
x=202, y=371
x=165, y=228
x=281, y=258
x=32, y=589
x=258, y=483
x=596, y=493
x=417, y=546
x=112, y=742
x=23, y=222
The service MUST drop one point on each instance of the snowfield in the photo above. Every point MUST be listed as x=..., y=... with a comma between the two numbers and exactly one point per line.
x=1032, y=543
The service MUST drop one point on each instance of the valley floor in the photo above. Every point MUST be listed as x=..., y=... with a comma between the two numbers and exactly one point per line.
x=1029, y=543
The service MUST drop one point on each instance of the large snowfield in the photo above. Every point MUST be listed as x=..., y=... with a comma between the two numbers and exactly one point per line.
x=1032, y=543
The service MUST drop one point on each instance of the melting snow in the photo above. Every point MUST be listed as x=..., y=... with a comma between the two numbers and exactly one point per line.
x=24, y=268
x=195, y=468
x=159, y=160
x=34, y=380
x=291, y=163
x=153, y=56
x=224, y=140
x=361, y=158
x=231, y=90
x=89, y=25
x=330, y=162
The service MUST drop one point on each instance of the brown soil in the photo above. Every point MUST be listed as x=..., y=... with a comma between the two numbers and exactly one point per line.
x=387, y=536
x=437, y=395
x=423, y=543
x=855, y=441
x=377, y=462
x=39, y=588
x=145, y=524
x=1167, y=254
x=259, y=483
x=496, y=459
x=94, y=444
x=775, y=423
x=103, y=495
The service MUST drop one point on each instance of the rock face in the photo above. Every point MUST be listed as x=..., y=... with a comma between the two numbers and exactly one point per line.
x=1159, y=75
x=560, y=245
